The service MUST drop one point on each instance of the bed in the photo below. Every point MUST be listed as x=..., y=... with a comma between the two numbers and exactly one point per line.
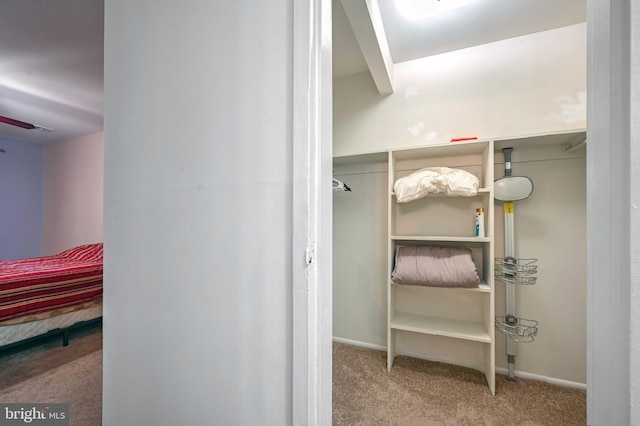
x=50, y=294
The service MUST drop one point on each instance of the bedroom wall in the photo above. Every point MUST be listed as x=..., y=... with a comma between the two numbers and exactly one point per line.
x=509, y=88
x=73, y=193
x=21, y=189
x=521, y=86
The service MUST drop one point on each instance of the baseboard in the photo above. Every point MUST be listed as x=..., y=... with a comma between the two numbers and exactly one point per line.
x=359, y=343
x=546, y=379
x=409, y=354
x=499, y=370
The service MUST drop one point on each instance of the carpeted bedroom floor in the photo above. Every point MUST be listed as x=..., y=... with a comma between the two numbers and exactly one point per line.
x=418, y=392
x=415, y=392
x=48, y=372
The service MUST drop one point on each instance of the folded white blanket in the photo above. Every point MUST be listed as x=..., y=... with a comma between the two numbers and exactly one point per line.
x=435, y=267
x=433, y=180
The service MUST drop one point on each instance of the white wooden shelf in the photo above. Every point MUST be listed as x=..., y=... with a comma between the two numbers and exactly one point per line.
x=440, y=238
x=481, y=191
x=466, y=330
x=434, y=311
x=482, y=287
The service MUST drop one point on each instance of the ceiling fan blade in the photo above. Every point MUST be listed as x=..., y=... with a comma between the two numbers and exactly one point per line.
x=17, y=123
x=24, y=125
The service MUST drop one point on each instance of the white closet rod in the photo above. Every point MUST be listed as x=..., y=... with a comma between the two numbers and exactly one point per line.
x=572, y=147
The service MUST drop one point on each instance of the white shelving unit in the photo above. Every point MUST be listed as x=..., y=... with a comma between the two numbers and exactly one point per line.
x=456, y=313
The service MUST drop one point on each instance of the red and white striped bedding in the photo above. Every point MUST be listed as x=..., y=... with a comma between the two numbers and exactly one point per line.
x=48, y=283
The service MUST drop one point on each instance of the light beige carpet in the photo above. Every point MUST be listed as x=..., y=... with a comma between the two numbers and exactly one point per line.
x=415, y=392
x=51, y=373
x=418, y=392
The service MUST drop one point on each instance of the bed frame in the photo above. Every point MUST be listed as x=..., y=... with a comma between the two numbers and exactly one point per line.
x=12, y=336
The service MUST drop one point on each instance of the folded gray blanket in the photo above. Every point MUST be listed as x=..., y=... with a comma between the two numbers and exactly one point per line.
x=435, y=267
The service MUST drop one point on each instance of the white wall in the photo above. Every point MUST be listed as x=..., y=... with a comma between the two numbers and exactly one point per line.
x=73, y=193
x=551, y=227
x=198, y=213
x=526, y=85
x=634, y=180
x=360, y=255
x=20, y=199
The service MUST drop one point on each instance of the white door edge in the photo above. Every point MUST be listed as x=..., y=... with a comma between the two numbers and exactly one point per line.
x=312, y=211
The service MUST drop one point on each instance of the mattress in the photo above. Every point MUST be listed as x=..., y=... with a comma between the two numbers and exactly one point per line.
x=16, y=332
x=50, y=283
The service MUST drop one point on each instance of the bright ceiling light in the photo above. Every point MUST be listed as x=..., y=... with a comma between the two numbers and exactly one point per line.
x=420, y=9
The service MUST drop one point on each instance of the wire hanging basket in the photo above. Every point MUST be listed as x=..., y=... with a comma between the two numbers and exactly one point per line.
x=516, y=271
x=518, y=329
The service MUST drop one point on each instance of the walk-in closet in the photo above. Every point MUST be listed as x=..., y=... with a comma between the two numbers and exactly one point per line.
x=460, y=109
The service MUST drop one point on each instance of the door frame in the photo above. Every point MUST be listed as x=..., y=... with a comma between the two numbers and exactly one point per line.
x=612, y=146
x=312, y=213
x=612, y=373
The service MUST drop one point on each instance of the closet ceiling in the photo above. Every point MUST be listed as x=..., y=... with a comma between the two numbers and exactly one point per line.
x=480, y=22
x=51, y=55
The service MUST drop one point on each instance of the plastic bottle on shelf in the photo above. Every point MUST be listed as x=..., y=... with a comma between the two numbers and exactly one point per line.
x=479, y=222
